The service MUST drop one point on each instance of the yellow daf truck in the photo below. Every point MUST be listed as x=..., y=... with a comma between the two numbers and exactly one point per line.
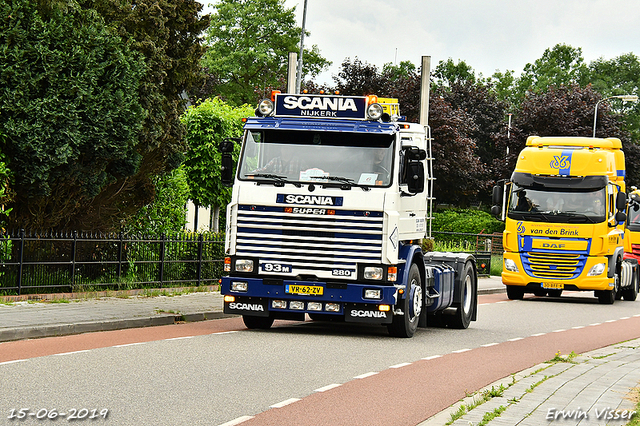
x=564, y=212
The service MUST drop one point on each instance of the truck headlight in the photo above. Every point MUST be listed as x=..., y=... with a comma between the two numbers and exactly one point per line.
x=597, y=270
x=265, y=107
x=510, y=265
x=374, y=111
x=332, y=307
x=244, y=265
x=371, y=293
x=239, y=286
x=373, y=273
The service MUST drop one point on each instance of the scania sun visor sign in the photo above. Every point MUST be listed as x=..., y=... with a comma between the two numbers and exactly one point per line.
x=320, y=106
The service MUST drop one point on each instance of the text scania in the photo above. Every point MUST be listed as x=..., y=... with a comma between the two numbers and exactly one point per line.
x=367, y=314
x=309, y=199
x=320, y=103
x=246, y=307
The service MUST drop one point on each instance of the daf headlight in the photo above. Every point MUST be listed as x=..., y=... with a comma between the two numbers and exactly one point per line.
x=597, y=270
x=265, y=107
x=373, y=273
x=510, y=265
x=244, y=265
x=374, y=111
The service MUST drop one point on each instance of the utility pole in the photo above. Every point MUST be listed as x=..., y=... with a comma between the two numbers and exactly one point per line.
x=304, y=22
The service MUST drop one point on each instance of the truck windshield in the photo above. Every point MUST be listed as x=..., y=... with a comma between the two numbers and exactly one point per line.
x=318, y=157
x=557, y=206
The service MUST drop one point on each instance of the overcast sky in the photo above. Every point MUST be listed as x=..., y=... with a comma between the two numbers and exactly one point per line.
x=488, y=35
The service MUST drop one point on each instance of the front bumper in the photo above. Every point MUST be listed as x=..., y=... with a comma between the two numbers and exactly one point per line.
x=582, y=282
x=278, y=298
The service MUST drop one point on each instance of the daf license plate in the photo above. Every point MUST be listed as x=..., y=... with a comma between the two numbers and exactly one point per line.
x=553, y=286
x=314, y=290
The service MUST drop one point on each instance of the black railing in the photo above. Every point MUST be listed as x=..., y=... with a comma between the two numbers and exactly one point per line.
x=78, y=262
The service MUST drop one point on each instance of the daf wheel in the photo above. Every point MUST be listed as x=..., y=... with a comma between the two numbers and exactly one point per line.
x=630, y=294
x=252, y=322
x=407, y=324
x=607, y=297
x=463, y=314
x=515, y=292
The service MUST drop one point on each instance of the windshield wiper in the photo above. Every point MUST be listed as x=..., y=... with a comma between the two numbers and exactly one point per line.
x=576, y=215
x=278, y=180
x=346, y=182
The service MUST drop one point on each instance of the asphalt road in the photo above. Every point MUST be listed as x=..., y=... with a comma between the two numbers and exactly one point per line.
x=216, y=372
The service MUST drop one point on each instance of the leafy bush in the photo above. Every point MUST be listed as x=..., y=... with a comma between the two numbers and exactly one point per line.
x=465, y=221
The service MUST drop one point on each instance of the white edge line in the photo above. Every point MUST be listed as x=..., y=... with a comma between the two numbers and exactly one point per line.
x=237, y=421
x=284, y=403
x=365, y=375
x=489, y=344
x=636, y=315
x=12, y=362
x=328, y=387
x=611, y=320
x=515, y=339
x=578, y=327
x=558, y=331
x=404, y=364
x=624, y=318
x=72, y=353
x=129, y=344
x=432, y=357
x=459, y=351
x=594, y=324
x=538, y=334
x=226, y=332
x=179, y=338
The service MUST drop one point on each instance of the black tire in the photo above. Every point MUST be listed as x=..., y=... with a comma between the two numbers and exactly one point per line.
x=463, y=314
x=607, y=297
x=630, y=294
x=407, y=324
x=252, y=322
x=515, y=292
x=554, y=293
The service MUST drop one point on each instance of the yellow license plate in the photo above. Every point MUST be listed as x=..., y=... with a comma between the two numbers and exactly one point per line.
x=553, y=286
x=314, y=290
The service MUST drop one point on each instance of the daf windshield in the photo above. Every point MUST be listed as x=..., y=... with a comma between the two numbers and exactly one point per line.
x=326, y=158
x=587, y=206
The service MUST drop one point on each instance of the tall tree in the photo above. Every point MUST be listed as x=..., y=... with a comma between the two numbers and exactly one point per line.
x=90, y=105
x=207, y=125
x=619, y=76
x=69, y=109
x=249, y=43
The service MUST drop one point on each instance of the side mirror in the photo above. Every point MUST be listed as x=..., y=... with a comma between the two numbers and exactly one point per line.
x=415, y=177
x=621, y=201
x=621, y=217
x=226, y=175
x=496, y=211
x=416, y=154
x=227, y=145
x=496, y=196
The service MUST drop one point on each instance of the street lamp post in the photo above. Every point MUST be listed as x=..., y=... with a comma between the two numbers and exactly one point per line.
x=299, y=73
x=625, y=98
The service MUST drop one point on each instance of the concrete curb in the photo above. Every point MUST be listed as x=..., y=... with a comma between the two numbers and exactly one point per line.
x=36, y=332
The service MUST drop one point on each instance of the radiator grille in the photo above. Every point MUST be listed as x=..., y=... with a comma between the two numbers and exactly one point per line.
x=324, y=245
x=553, y=266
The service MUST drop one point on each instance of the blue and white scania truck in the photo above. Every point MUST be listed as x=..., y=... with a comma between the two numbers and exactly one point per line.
x=332, y=197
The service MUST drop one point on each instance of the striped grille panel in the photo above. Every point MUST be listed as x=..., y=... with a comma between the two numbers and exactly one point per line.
x=553, y=266
x=315, y=244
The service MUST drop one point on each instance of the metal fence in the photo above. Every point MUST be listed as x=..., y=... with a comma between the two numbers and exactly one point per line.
x=78, y=262
x=32, y=262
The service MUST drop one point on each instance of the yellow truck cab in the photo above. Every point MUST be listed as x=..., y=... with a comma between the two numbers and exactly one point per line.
x=564, y=213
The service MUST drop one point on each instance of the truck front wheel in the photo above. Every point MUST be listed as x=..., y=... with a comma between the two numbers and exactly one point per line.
x=407, y=324
x=252, y=322
x=463, y=314
x=515, y=292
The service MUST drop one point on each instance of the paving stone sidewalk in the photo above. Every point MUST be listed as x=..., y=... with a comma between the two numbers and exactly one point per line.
x=596, y=388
